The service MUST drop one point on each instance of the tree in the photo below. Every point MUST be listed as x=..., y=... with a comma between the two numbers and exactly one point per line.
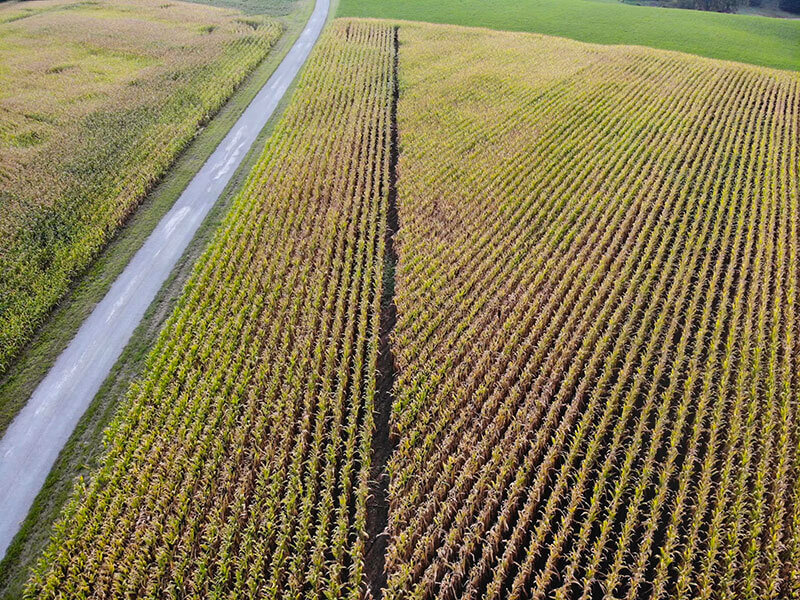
x=792, y=6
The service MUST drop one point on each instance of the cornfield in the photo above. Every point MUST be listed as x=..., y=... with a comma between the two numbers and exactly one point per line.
x=102, y=97
x=597, y=333
x=238, y=466
x=596, y=353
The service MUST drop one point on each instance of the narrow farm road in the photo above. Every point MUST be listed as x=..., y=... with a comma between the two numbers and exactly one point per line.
x=35, y=438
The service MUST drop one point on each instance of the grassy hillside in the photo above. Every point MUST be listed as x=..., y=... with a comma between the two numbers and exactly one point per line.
x=756, y=40
x=597, y=324
x=102, y=98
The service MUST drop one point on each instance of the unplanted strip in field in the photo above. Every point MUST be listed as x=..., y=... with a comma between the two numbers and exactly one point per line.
x=101, y=99
x=238, y=467
x=597, y=330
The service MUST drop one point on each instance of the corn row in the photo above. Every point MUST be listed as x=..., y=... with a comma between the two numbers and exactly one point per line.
x=596, y=327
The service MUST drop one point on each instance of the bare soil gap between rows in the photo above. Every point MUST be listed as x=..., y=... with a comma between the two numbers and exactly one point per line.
x=382, y=444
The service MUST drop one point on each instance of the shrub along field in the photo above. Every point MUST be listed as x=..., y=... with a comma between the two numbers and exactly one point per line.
x=238, y=466
x=597, y=343
x=597, y=325
x=101, y=98
x=757, y=40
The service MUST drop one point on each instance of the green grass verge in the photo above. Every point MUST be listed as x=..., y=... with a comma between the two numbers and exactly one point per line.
x=81, y=453
x=750, y=39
